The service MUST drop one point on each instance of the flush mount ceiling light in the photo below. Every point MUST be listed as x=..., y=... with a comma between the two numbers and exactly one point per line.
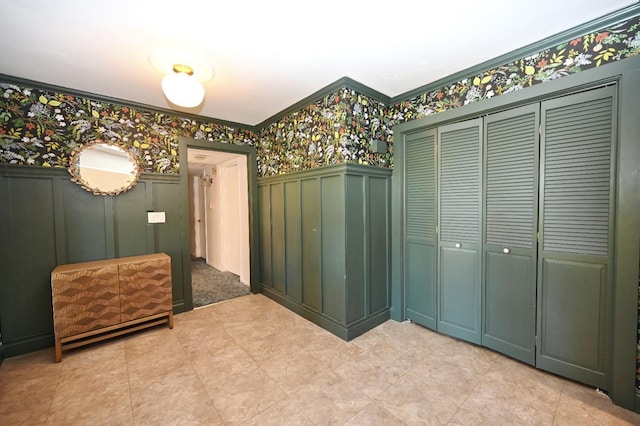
x=184, y=73
x=181, y=88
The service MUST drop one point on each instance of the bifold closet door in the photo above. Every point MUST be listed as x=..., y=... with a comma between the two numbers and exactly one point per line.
x=511, y=196
x=420, y=228
x=460, y=197
x=574, y=260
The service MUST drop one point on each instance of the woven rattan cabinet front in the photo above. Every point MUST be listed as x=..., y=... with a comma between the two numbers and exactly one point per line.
x=97, y=300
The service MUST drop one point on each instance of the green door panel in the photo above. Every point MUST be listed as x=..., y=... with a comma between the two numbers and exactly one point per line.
x=460, y=293
x=575, y=254
x=421, y=286
x=510, y=226
x=509, y=310
x=574, y=297
x=420, y=222
x=460, y=215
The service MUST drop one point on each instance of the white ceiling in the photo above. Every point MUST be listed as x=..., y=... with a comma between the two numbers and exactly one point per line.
x=269, y=55
x=199, y=159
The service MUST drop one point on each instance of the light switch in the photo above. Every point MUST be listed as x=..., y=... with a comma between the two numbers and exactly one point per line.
x=156, y=217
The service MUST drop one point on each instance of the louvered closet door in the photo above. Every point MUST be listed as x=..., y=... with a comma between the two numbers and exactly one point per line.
x=460, y=194
x=574, y=262
x=420, y=228
x=511, y=196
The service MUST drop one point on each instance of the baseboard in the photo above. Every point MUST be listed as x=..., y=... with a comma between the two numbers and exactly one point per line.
x=344, y=332
x=361, y=327
x=1, y=353
x=24, y=346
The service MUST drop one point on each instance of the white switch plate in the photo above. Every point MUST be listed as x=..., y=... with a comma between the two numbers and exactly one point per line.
x=156, y=217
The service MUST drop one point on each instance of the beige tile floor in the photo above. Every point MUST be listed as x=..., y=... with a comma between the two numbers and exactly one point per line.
x=251, y=361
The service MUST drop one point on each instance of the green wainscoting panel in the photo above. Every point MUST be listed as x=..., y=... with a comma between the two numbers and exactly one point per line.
x=355, y=260
x=333, y=248
x=293, y=241
x=379, y=244
x=166, y=236
x=278, y=274
x=27, y=257
x=311, y=244
x=46, y=220
x=130, y=223
x=264, y=203
x=85, y=224
x=335, y=229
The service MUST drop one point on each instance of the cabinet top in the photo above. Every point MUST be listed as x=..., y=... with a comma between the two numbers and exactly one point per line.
x=108, y=262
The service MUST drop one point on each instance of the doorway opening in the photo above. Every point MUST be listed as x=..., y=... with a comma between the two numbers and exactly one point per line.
x=218, y=225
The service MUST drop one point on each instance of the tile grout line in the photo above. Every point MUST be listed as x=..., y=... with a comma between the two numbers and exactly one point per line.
x=126, y=362
x=555, y=412
x=471, y=391
x=53, y=397
x=195, y=370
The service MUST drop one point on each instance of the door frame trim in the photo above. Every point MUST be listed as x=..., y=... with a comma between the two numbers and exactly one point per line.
x=252, y=178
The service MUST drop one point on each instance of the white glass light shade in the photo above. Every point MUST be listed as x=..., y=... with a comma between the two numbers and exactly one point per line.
x=183, y=90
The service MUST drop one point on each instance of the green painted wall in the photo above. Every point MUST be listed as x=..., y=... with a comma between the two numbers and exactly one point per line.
x=326, y=245
x=47, y=220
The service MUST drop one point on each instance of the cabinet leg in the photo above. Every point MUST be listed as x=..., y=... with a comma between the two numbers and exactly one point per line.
x=171, y=319
x=58, y=350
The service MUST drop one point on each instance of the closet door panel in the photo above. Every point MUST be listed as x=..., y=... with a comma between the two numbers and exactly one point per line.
x=460, y=196
x=510, y=200
x=421, y=285
x=460, y=293
x=509, y=310
x=574, y=265
x=574, y=300
x=420, y=228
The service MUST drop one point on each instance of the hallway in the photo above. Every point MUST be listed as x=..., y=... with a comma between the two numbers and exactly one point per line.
x=212, y=286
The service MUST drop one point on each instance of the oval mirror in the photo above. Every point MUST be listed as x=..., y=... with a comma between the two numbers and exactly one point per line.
x=104, y=168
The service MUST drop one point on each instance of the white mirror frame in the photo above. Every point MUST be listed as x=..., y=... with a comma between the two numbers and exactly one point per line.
x=104, y=167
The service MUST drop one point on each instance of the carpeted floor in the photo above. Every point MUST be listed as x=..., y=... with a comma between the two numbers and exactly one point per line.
x=211, y=286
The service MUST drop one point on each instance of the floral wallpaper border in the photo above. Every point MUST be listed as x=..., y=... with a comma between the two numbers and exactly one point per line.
x=41, y=128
